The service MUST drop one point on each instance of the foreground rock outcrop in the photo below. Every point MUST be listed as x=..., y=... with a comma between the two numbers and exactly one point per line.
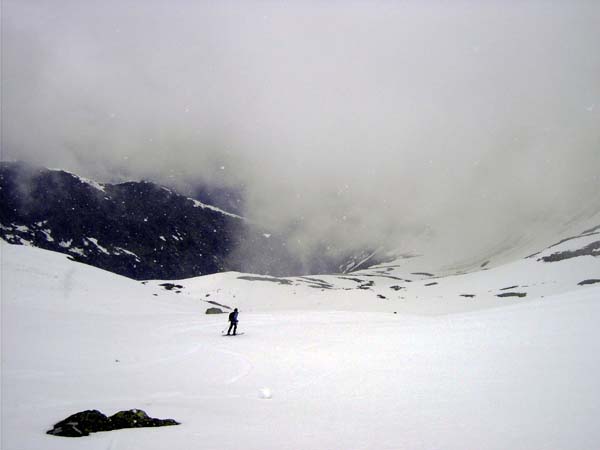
x=85, y=422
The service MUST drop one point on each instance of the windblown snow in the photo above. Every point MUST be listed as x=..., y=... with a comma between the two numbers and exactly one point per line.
x=320, y=366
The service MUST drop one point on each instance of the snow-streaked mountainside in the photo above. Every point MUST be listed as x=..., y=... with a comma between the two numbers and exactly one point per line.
x=324, y=362
x=140, y=229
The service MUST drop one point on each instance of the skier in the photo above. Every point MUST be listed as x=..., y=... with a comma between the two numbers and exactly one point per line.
x=233, y=318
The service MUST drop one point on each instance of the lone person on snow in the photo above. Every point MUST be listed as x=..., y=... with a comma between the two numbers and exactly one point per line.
x=233, y=318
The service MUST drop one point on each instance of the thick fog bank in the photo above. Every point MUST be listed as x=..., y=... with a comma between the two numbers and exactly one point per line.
x=462, y=125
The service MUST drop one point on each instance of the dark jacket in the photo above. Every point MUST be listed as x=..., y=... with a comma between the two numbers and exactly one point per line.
x=233, y=316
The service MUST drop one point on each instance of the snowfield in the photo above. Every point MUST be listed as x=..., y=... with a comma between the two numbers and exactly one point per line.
x=408, y=285
x=350, y=375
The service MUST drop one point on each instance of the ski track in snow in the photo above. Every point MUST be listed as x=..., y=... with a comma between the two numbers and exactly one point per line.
x=195, y=325
x=247, y=365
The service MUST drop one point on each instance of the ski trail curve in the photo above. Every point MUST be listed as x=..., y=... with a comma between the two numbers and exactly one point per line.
x=248, y=366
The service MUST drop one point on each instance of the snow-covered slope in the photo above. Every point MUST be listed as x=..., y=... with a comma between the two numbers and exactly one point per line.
x=404, y=287
x=75, y=337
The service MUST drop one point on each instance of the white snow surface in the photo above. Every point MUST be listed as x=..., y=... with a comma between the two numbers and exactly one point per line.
x=84, y=180
x=95, y=242
x=399, y=286
x=199, y=204
x=119, y=251
x=65, y=244
x=75, y=337
x=78, y=251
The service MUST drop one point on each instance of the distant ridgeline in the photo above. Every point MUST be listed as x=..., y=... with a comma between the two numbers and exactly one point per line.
x=139, y=229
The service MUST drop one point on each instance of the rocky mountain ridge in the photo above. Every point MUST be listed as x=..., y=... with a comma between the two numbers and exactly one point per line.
x=142, y=230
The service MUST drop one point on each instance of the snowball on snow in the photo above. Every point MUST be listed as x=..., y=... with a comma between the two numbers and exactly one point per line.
x=265, y=393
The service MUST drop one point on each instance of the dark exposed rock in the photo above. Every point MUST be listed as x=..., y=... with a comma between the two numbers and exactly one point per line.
x=218, y=304
x=136, y=418
x=397, y=288
x=171, y=286
x=512, y=294
x=592, y=249
x=270, y=279
x=509, y=287
x=316, y=283
x=314, y=280
x=91, y=421
x=367, y=285
x=423, y=273
x=356, y=280
x=559, y=256
x=391, y=277
x=82, y=424
x=214, y=311
x=431, y=284
x=590, y=281
x=381, y=296
x=467, y=295
x=484, y=264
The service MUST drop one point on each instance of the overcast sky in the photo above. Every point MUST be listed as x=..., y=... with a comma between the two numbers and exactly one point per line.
x=358, y=121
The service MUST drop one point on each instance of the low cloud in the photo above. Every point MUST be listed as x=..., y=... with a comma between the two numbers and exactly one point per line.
x=353, y=123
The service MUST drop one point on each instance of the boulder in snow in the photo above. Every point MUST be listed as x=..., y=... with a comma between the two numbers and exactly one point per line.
x=90, y=421
x=136, y=418
x=81, y=424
